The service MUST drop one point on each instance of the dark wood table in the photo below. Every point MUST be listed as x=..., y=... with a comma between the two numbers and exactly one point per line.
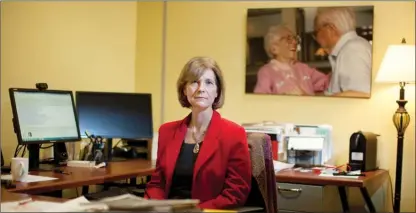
x=76, y=177
x=310, y=178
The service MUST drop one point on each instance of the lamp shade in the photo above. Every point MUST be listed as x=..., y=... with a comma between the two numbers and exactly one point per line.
x=398, y=64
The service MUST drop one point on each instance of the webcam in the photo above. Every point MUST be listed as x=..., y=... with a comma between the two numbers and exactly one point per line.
x=42, y=86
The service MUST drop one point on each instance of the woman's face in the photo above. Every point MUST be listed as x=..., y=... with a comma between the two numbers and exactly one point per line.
x=201, y=93
x=286, y=45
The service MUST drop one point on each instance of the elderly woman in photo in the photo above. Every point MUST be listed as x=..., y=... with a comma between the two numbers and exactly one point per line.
x=284, y=74
x=349, y=54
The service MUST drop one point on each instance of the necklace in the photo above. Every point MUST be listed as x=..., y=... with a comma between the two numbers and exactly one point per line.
x=197, y=140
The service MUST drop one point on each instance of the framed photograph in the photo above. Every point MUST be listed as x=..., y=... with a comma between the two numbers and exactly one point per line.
x=310, y=51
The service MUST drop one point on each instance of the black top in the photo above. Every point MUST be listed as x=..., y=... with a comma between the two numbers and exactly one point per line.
x=182, y=176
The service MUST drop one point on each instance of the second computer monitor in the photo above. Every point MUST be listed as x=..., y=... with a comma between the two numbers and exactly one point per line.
x=115, y=115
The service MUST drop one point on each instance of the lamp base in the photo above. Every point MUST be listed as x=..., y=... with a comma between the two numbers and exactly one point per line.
x=401, y=120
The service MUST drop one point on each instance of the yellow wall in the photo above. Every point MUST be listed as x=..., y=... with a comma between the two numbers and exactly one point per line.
x=70, y=45
x=149, y=54
x=217, y=29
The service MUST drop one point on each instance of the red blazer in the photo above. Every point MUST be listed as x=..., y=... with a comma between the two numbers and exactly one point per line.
x=222, y=172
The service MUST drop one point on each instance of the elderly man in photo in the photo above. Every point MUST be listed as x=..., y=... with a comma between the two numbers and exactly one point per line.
x=349, y=54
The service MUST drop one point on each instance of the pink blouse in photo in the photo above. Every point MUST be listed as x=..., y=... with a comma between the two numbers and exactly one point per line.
x=296, y=79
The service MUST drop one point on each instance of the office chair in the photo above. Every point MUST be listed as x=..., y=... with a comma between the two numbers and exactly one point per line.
x=263, y=190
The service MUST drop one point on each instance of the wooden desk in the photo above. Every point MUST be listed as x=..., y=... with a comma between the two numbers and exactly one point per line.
x=290, y=176
x=310, y=178
x=77, y=177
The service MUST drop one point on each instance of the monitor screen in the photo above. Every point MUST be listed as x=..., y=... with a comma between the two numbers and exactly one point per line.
x=44, y=116
x=115, y=115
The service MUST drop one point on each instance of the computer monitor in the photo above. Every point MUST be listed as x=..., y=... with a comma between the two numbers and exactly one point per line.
x=115, y=115
x=43, y=116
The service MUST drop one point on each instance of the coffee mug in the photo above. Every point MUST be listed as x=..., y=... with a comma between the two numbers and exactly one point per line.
x=19, y=168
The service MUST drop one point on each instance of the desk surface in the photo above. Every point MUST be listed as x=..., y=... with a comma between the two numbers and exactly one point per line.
x=86, y=176
x=132, y=168
x=291, y=176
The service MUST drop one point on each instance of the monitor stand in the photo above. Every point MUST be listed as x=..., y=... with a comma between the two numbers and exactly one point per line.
x=33, y=156
x=34, y=162
x=109, y=150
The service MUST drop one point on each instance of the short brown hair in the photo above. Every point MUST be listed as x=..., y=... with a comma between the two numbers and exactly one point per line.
x=193, y=70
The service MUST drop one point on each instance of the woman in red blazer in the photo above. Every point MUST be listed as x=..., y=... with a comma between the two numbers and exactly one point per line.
x=203, y=156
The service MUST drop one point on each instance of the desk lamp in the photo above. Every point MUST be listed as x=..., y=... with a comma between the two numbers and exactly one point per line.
x=398, y=66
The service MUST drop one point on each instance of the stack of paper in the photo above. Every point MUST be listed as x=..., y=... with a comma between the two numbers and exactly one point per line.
x=352, y=174
x=129, y=202
x=125, y=202
x=44, y=206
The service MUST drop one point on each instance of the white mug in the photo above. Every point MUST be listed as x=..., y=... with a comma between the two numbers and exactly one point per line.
x=19, y=168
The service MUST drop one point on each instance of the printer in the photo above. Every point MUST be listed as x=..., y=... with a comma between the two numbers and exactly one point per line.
x=302, y=145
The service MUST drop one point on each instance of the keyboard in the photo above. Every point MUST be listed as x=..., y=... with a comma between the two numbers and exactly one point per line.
x=112, y=193
x=80, y=163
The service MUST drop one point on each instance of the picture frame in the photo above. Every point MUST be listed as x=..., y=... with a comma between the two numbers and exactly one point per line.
x=310, y=51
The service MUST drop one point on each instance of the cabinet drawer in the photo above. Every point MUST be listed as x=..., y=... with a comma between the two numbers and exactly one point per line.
x=298, y=197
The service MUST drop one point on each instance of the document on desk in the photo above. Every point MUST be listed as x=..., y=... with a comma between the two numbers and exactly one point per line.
x=278, y=166
x=29, y=178
x=40, y=206
x=339, y=176
x=129, y=202
x=28, y=205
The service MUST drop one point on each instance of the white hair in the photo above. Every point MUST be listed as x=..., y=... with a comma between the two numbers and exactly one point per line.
x=343, y=18
x=273, y=35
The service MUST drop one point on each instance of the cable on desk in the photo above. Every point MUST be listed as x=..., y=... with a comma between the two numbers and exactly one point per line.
x=17, y=150
x=24, y=151
x=40, y=146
